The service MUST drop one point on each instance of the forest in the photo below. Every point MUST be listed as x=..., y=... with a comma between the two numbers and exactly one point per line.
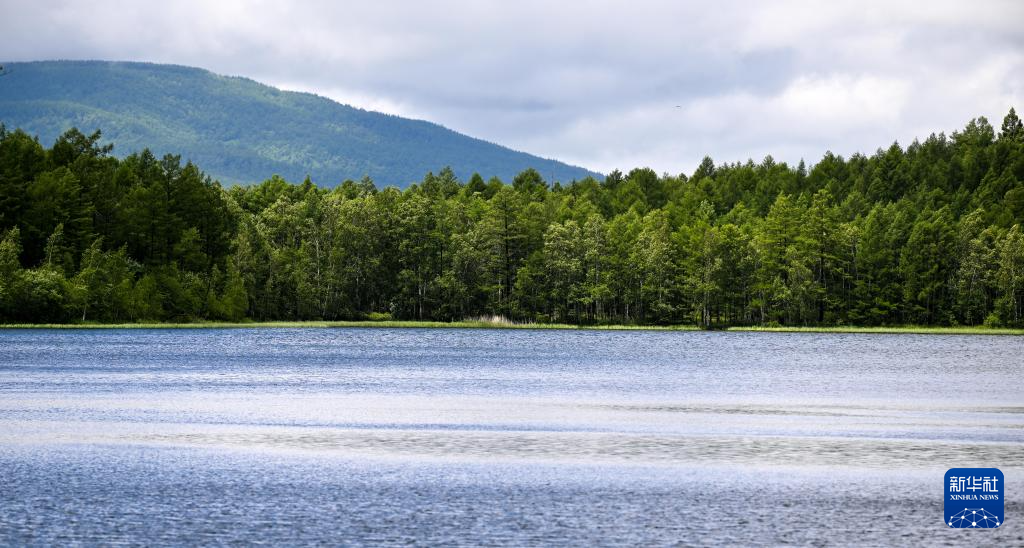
x=929, y=234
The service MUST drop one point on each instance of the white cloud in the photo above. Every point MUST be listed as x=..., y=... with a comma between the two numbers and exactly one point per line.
x=352, y=97
x=595, y=84
x=842, y=101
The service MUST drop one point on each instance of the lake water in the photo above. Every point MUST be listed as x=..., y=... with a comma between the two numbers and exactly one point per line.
x=484, y=437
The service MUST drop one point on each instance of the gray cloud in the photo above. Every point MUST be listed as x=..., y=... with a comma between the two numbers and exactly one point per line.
x=596, y=83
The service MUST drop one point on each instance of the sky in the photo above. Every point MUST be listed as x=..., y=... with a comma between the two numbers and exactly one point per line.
x=604, y=85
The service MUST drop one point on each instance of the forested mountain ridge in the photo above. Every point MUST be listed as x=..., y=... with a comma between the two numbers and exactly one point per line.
x=241, y=131
x=929, y=234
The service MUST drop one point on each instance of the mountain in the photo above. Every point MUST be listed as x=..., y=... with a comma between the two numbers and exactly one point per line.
x=238, y=130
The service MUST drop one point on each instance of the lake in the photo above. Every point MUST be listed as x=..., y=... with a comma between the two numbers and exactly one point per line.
x=486, y=437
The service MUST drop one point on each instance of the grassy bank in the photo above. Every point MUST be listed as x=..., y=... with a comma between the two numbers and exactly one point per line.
x=906, y=329
x=480, y=324
x=469, y=324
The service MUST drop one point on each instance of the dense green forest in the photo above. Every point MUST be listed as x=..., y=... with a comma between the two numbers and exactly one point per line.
x=930, y=234
x=242, y=131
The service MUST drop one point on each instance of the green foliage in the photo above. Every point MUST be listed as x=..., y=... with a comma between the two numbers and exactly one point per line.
x=926, y=235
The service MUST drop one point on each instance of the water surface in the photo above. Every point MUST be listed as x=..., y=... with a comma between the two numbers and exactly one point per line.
x=499, y=437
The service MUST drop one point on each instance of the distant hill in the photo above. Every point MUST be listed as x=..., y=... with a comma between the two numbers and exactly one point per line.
x=239, y=130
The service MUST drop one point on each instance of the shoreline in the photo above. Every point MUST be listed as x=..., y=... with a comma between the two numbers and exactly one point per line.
x=382, y=324
x=393, y=324
x=890, y=330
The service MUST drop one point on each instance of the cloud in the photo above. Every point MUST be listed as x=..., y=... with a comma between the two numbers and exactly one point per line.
x=595, y=84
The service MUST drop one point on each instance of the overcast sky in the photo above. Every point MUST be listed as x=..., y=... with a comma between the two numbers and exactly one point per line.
x=600, y=84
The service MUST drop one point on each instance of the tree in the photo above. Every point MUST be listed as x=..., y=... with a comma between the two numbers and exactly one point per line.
x=22, y=159
x=89, y=281
x=10, y=269
x=774, y=261
x=57, y=255
x=925, y=267
x=564, y=269
x=704, y=278
x=1012, y=129
x=596, y=266
x=1010, y=277
x=475, y=185
x=418, y=251
x=654, y=259
x=530, y=184
x=54, y=198
x=975, y=259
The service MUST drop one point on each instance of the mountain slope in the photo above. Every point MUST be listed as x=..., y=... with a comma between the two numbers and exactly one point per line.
x=238, y=130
